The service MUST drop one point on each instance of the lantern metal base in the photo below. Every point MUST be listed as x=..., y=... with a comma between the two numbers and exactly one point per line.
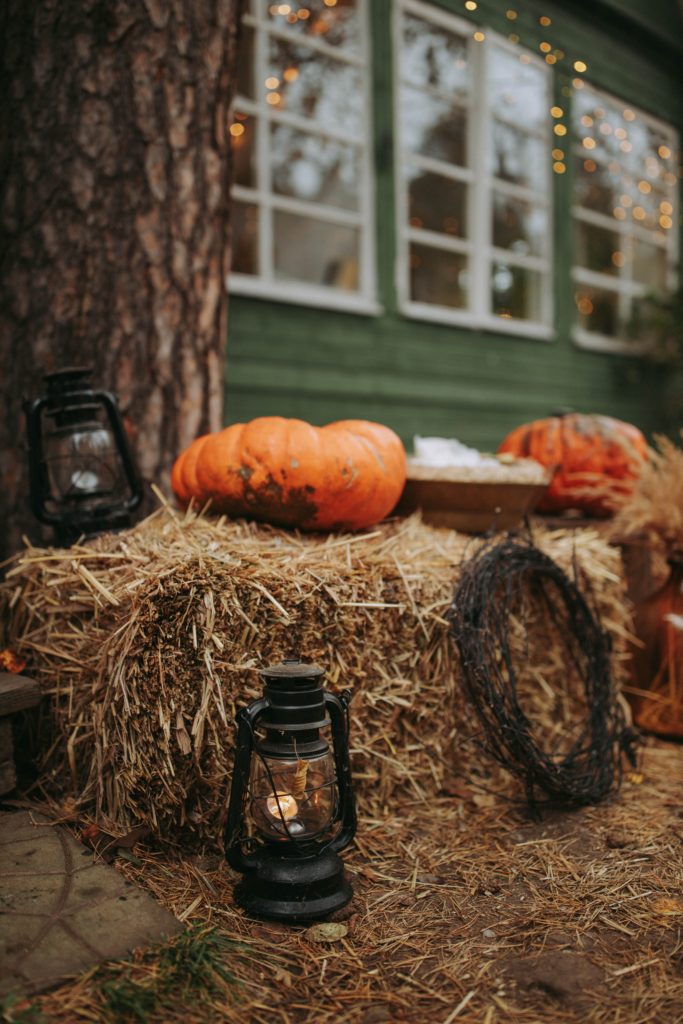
x=291, y=888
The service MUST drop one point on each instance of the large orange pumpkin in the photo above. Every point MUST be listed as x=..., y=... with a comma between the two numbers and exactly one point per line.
x=596, y=459
x=346, y=475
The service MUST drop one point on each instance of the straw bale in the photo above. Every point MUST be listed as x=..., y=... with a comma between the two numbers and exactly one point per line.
x=148, y=640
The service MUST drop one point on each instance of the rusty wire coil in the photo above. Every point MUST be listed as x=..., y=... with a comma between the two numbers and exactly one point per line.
x=491, y=589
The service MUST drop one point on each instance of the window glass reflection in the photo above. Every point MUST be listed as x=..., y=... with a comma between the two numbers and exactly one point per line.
x=336, y=24
x=601, y=250
x=627, y=166
x=610, y=132
x=306, y=249
x=438, y=277
x=433, y=127
x=243, y=143
x=517, y=89
x=245, y=238
x=434, y=57
x=518, y=157
x=650, y=265
x=515, y=292
x=326, y=91
x=596, y=187
x=437, y=203
x=311, y=168
x=598, y=311
x=519, y=226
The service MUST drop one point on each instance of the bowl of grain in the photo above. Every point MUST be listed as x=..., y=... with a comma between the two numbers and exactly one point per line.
x=470, y=491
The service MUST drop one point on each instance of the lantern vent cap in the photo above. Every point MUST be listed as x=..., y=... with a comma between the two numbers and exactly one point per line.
x=68, y=373
x=292, y=668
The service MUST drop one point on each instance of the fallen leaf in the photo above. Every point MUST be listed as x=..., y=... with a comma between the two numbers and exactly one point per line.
x=11, y=662
x=668, y=907
x=483, y=800
x=107, y=846
x=280, y=974
x=326, y=931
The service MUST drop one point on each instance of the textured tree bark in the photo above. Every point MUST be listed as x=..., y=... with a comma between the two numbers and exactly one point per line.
x=114, y=191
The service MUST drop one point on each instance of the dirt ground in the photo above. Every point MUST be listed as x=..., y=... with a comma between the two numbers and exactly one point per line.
x=464, y=910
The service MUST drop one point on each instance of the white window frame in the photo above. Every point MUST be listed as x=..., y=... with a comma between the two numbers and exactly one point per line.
x=623, y=283
x=264, y=284
x=478, y=245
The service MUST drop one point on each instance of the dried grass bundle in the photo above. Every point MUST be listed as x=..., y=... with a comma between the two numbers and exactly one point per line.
x=655, y=509
x=146, y=642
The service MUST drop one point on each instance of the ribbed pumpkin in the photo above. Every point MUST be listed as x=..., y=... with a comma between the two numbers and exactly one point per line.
x=346, y=475
x=596, y=459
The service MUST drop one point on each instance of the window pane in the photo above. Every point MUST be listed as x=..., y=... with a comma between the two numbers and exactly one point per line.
x=433, y=127
x=315, y=251
x=519, y=226
x=600, y=249
x=245, y=63
x=437, y=203
x=650, y=265
x=321, y=89
x=516, y=292
x=438, y=277
x=242, y=140
x=336, y=24
x=597, y=188
x=611, y=131
x=644, y=212
x=307, y=167
x=625, y=172
x=435, y=57
x=518, y=88
x=598, y=310
x=245, y=238
x=518, y=157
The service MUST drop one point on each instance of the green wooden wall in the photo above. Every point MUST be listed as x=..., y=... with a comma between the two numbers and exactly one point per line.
x=429, y=378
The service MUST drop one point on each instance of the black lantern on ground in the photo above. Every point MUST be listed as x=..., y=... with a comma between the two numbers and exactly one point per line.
x=291, y=804
x=82, y=476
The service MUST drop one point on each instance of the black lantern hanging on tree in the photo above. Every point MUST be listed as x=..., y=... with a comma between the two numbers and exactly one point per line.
x=81, y=472
x=291, y=806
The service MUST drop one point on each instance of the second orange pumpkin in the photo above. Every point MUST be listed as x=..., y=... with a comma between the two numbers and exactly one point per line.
x=596, y=459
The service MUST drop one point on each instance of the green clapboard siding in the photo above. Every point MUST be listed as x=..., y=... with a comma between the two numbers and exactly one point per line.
x=426, y=378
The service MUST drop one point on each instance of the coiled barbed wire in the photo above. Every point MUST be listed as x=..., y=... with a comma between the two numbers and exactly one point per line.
x=491, y=589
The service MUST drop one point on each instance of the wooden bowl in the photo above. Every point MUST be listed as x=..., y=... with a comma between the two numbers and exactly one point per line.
x=470, y=506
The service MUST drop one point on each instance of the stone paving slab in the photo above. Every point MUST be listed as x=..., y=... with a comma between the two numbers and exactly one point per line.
x=61, y=910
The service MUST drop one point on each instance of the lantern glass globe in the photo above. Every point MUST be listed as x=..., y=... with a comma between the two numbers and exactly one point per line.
x=292, y=798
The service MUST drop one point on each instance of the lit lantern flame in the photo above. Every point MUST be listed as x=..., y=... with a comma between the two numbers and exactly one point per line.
x=282, y=806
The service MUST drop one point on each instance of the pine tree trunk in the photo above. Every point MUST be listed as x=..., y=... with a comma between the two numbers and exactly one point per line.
x=114, y=187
